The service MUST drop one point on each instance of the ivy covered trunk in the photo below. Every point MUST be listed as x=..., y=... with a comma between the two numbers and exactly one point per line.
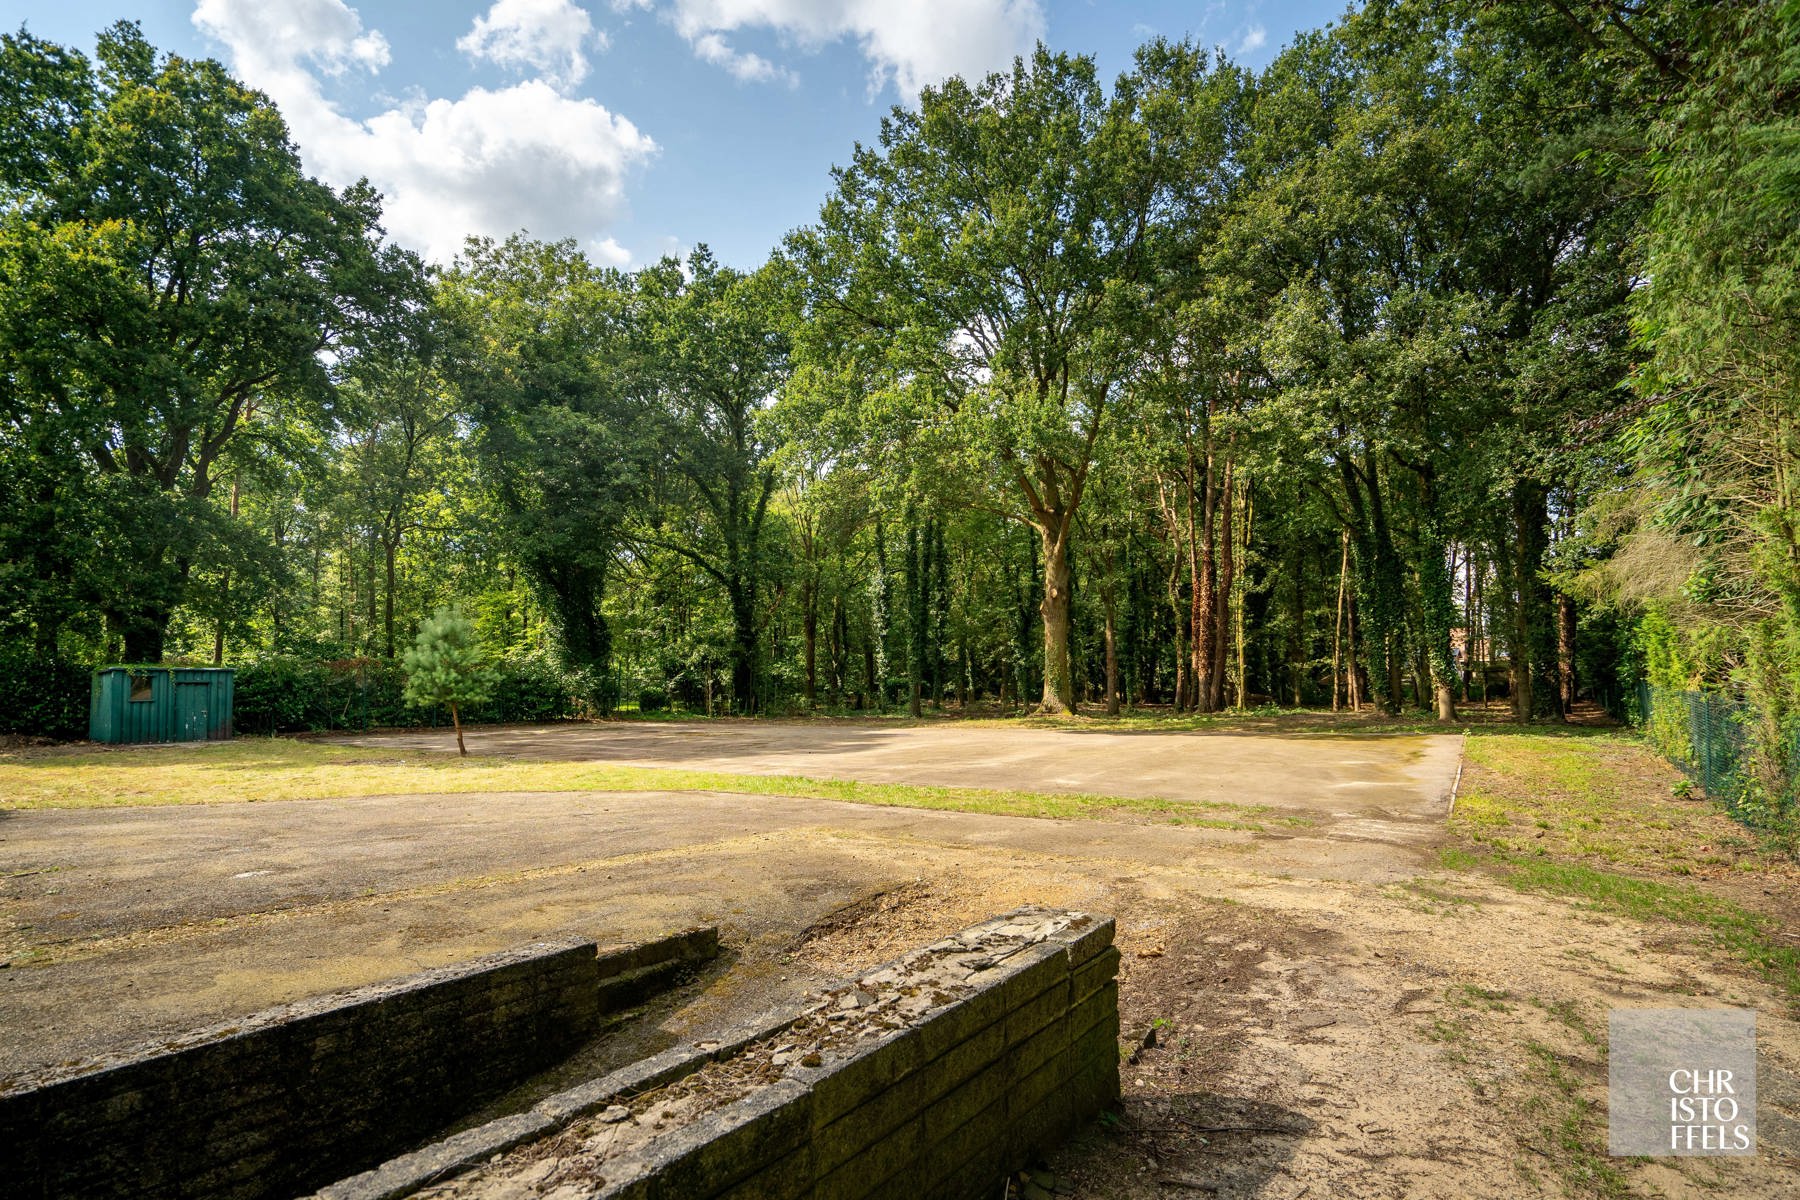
x=1059, y=684
x=743, y=649
x=1437, y=601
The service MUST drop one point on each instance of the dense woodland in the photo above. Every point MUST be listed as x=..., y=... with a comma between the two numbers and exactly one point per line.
x=1454, y=355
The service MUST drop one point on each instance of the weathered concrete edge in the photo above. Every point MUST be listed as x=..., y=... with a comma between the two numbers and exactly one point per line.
x=308, y=1009
x=409, y=1173
x=700, y=1159
x=699, y=944
x=687, y=947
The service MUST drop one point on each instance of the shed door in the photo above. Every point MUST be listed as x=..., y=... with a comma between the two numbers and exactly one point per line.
x=191, y=717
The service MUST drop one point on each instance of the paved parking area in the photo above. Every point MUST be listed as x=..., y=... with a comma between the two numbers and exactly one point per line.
x=147, y=921
x=1398, y=775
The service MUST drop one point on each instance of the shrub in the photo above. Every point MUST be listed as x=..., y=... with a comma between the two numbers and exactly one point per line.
x=287, y=695
x=43, y=697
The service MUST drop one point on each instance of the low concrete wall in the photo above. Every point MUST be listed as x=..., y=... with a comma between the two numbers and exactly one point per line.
x=285, y=1100
x=968, y=1057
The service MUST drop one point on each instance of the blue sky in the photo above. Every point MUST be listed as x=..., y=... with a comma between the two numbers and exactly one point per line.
x=637, y=127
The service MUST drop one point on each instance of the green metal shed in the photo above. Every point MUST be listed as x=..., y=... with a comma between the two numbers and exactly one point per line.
x=160, y=704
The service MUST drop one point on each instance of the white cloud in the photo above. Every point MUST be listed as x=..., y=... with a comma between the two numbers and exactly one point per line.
x=325, y=31
x=1254, y=40
x=545, y=35
x=609, y=253
x=490, y=162
x=910, y=45
x=744, y=67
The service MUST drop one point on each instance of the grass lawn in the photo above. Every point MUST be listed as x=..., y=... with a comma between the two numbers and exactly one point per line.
x=1595, y=818
x=274, y=769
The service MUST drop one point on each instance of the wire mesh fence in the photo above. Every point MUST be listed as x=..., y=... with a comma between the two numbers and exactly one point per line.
x=1710, y=739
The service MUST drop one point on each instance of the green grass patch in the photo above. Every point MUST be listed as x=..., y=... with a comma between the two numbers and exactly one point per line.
x=1570, y=1132
x=1605, y=796
x=1597, y=820
x=277, y=769
x=1752, y=936
x=1469, y=995
x=1430, y=891
x=1455, y=858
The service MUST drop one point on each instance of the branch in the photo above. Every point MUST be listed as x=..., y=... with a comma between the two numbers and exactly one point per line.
x=694, y=556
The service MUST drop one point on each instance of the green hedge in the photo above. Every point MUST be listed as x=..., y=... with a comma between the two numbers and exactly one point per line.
x=43, y=697
x=282, y=695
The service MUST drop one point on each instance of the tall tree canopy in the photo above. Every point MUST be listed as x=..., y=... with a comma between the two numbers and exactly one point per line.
x=176, y=286
x=1450, y=358
x=993, y=253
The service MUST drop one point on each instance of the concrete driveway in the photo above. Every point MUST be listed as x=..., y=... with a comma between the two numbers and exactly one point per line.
x=1404, y=776
x=136, y=923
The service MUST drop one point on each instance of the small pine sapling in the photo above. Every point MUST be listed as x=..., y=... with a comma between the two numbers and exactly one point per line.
x=445, y=666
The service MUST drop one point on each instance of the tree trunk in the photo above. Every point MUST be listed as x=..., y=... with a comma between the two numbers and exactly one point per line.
x=743, y=651
x=1381, y=592
x=869, y=673
x=1470, y=622
x=369, y=647
x=939, y=612
x=1437, y=603
x=1565, y=652
x=1518, y=667
x=219, y=625
x=1203, y=569
x=1297, y=643
x=1059, y=684
x=1112, y=658
x=839, y=651
x=917, y=605
x=809, y=625
x=456, y=720
x=1533, y=633
x=1337, y=628
x=1243, y=595
x=1178, y=617
x=1222, y=589
x=387, y=618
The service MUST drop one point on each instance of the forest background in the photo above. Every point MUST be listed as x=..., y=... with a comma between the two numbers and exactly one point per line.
x=1454, y=356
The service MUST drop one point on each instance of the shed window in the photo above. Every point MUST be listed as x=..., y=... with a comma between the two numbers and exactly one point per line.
x=140, y=689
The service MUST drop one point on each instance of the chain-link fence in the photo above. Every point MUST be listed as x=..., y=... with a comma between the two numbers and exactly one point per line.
x=1709, y=738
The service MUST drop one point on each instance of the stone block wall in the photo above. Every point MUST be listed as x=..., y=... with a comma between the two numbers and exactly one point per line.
x=933, y=1076
x=288, y=1099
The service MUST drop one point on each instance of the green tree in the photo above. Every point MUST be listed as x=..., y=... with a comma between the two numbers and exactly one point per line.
x=446, y=666
x=713, y=350
x=991, y=254
x=168, y=264
x=543, y=364
x=401, y=416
